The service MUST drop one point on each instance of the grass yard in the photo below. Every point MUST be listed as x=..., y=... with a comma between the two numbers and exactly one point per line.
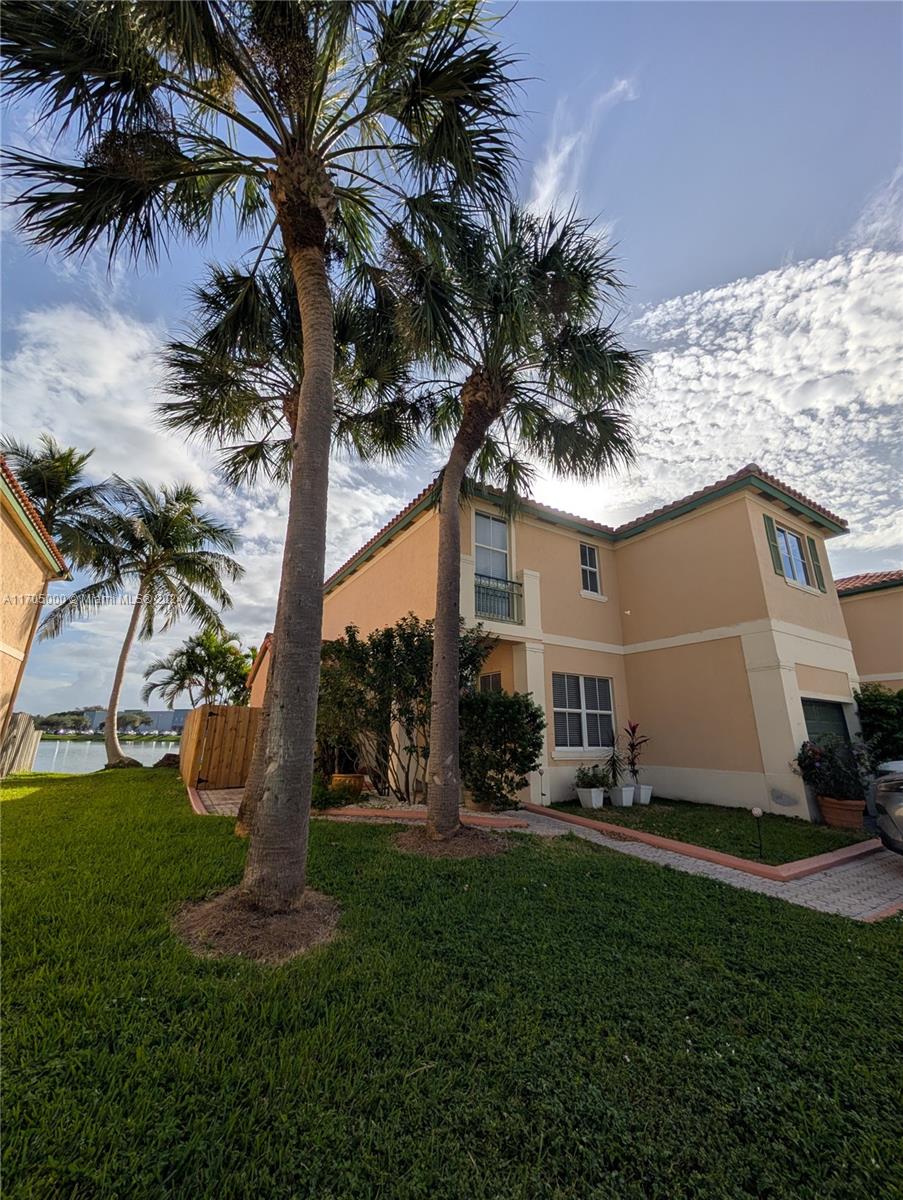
x=559, y=1022
x=731, y=830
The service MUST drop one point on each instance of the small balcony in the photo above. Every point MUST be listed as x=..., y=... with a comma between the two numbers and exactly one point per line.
x=499, y=599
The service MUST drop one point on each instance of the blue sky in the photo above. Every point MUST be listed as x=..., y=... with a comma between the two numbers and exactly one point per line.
x=744, y=158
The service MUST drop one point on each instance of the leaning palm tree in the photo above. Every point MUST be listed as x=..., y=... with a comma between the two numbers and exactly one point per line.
x=55, y=480
x=209, y=667
x=536, y=376
x=317, y=121
x=161, y=550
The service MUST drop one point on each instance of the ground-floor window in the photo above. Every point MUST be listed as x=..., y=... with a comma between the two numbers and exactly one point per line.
x=583, y=713
x=825, y=717
x=491, y=682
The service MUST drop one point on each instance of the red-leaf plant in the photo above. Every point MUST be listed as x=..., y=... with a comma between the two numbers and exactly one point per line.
x=635, y=743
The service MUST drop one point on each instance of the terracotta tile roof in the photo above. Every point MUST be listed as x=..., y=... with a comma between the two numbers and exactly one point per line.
x=869, y=580
x=32, y=513
x=751, y=471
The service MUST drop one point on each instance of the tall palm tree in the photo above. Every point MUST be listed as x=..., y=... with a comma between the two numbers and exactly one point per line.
x=314, y=119
x=167, y=555
x=234, y=385
x=210, y=667
x=536, y=376
x=55, y=481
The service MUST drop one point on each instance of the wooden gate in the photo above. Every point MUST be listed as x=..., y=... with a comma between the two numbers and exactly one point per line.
x=217, y=744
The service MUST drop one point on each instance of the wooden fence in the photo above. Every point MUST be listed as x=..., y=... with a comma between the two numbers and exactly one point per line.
x=19, y=746
x=217, y=744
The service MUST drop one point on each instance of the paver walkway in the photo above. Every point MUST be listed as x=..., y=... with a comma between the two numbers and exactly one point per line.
x=865, y=889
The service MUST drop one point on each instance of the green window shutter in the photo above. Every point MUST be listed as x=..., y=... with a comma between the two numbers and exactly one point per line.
x=772, y=535
x=816, y=564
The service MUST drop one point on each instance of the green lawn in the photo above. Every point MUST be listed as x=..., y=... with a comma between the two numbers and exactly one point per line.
x=731, y=830
x=560, y=1022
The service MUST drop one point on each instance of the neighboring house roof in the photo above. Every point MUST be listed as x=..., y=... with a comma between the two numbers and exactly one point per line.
x=28, y=515
x=262, y=652
x=751, y=476
x=868, y=581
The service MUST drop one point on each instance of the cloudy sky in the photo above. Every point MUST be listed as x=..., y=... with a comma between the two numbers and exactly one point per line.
x=746, y=160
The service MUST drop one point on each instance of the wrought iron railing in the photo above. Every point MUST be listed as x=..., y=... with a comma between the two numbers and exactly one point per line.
x=499, y=599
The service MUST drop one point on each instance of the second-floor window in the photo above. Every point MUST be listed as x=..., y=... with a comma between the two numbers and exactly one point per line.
x=793, y=556
x=491, y=546
x=583, y=713
x=589, y=569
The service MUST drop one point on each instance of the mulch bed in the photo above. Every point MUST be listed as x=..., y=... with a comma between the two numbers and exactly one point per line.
x=225, y=926
x=466, y=843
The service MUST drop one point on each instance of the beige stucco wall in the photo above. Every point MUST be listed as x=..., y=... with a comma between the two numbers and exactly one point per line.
x=694, y=703
x=400, y=579
x=696, y=572
x=584, y=662
x=821, y=682
x=874, y=623
x=24, y=574
x=259, y=682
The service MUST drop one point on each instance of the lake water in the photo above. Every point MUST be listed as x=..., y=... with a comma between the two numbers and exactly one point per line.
x=78, y=758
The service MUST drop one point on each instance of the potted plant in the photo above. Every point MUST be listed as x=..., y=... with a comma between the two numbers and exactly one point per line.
x=642, y=792
x=591, y=783
x=621, y=794
x=837, y=771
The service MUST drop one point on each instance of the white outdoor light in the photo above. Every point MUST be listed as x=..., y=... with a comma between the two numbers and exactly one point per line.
x=757, y=813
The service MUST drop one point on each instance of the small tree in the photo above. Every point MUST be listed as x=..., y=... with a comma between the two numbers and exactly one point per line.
x=501, y=743
x=375, y=697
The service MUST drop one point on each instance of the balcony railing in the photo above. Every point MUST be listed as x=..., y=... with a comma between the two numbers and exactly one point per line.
x=499, y=599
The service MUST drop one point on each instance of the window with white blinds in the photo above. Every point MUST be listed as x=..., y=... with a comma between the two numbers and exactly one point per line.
x=491, y=682
x=583, y=712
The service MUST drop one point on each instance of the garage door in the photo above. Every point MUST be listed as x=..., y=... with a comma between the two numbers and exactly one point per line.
x=825, y=717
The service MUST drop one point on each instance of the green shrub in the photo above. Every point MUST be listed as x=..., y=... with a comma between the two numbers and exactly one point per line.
x=501, y=743
x=325, y=795
x=592, y=777
x=881, y=717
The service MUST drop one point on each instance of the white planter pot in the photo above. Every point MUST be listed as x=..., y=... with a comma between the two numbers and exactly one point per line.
x=591, y=797
x=642, y=793
x=622, y=797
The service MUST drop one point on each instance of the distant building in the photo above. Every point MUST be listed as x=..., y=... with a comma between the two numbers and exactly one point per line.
x=162, y=719
x=31, y=560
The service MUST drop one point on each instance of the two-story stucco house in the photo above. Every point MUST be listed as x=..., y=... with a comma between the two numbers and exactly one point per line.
x=713, y=621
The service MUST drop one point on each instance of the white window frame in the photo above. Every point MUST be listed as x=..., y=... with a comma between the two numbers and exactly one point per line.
x=495, y=550
x=587, y=571
x=783, y=532
x=490, y=686
x=585, y=750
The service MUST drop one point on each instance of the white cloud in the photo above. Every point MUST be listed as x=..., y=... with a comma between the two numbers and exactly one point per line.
x=557, y=175
x=797, y=369
x=880, y=225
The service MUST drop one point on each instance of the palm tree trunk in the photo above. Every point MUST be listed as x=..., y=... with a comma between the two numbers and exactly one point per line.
x=115, y=755
x=276, y=867
x=443, y=769
x=250, y=797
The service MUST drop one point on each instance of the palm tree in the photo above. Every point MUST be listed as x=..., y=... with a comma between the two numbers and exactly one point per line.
x=211, y=667
x=164, y=552
x=54, y=479
x=234, y=386
x=314, y=119
x=538, y=378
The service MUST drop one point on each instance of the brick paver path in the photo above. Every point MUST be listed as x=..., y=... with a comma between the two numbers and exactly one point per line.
x=863, y=889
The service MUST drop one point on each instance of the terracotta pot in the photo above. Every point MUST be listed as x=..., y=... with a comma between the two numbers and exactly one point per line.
x=351, y=781
x=841, y=814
